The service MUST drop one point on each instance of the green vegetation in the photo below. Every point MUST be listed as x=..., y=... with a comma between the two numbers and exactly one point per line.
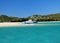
x=4, y=18
x=50, y=17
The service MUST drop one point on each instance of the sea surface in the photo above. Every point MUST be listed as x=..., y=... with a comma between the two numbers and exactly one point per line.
x=31, y=34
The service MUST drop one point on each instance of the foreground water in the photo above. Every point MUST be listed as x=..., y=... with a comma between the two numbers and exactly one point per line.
x=30, y=34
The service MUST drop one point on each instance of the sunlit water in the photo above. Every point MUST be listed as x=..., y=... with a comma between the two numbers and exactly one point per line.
x=30, y=34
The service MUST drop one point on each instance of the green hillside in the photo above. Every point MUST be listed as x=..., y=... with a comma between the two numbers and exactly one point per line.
x=49, y=17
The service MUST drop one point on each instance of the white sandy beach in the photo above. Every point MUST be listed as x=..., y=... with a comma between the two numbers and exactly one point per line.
x=7, y=24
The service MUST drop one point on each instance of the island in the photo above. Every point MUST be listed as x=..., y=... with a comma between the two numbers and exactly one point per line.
x=17, y=21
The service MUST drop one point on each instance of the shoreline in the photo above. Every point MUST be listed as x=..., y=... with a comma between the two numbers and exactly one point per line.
x=10, y=24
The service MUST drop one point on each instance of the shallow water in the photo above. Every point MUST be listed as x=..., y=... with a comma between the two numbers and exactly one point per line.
x=30, y=34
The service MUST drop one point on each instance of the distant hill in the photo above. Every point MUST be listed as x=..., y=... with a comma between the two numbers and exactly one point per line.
x=55, y=17
x=49, y=17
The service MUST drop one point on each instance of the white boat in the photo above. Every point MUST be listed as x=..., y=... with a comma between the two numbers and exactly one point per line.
x=30, y=22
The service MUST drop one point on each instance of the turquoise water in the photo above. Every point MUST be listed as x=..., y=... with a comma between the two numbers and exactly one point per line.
x=30, y=34
x=49, y=23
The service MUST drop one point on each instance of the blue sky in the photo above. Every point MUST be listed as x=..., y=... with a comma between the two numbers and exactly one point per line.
x=24, y=8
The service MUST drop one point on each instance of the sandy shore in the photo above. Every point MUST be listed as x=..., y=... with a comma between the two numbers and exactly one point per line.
x=7, y=24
